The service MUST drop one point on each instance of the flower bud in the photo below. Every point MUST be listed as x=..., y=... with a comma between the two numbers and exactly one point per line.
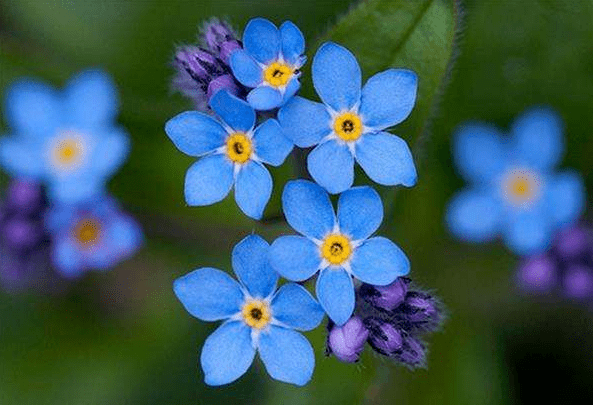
x=412, y=353
x=220, y=39
x=22, y=196
x=572, y=243
x=347, y=341
x=384, y=337
x=226, y=82
x=537, y=273
x=386, y=297
x=21, y=233
x=420, y=307
x=578, y=281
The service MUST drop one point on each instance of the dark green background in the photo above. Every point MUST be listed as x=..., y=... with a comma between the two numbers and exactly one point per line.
x=123, y=338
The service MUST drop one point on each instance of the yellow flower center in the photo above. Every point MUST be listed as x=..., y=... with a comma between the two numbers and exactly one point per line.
x=278, y=74
x=238, y=147
x=67, y=151
x=348, y=126
x=256, y=313
x=87, y=231
x=520, y=186
x=336, y=249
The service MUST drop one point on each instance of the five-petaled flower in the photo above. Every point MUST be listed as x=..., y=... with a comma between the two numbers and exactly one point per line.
x=257, y=317
x=233, y=153
x=93, y=235
x=513, y=189
x=69, y=139
x=340, y=247
x=349, y=124
x=269, y=62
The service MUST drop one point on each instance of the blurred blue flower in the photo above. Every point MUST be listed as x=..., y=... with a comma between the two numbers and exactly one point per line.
x=269, y=62
x=93, y=235
x=513, y=190
x=257, y=317
x=349, y=124
x=233, y=153
x=339, y=247
x=68, y=139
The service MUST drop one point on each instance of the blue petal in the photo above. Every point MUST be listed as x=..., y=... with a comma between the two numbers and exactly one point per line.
x=336, y=76
x=234, y=112
x=209, y=294
x=538, y=138
x=304, y=122
x=195, y=133
x=66, y=258
x=293, y=42
x=528, y=233
x=91, y=99
x=307, y=208
x=209, y=180
x=291, y=89
x=125, y=235
x=287, y=355
x=474, y=216
x=567, y=197
x=331, y=165
x=252, y=267
x=253, y=189
x=379, y=261
x=271, y=146
x=294, y=306
x=264, y=98
x=386, y=159
x=360, y=212
x=335, y=292
x=388, y=98
x=479, y=152
x=245, y=68
x=22, y=158
x=32, y=108
x=227, y=353
x=76, y=189
x=295, y=258
x=261, y=39
x=111, y=151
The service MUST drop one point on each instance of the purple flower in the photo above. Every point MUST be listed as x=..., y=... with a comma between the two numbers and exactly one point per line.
x=347, y=341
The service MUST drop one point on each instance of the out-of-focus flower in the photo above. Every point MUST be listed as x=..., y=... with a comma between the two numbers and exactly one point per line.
x=258, y=318
x=94, y=235
x=69, y=140
x=513, y=189
x=269, y=62
x=346, y=342
x=567, y=267
x=349, y=125
x=233, y=153
x=339, y=247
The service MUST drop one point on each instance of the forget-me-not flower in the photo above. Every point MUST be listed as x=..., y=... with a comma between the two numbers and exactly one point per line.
x=269, y=62
x=339, y=247
x=349, y=124
x=513, y=189
x=258, y=318
x=232, y=152
x=67, y=139
x=94, y=235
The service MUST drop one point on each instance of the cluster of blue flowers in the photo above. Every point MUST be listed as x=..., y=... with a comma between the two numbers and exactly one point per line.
x=255, y=119
x=68, y=142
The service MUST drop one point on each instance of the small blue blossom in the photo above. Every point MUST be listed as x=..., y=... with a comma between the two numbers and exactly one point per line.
x=513, y=190
x=349, y=124
x=232, y=152
x=67, y=139
x=269, y=62
x=338, y=246
x=258, y=318
x=94, y=235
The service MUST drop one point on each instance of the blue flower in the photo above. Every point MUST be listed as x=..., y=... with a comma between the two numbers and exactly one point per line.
x=349, y=124
x=233, y=153
x=338, y=247
x=513, y=190
x=68, y=139
x=93, y=235
x=269, y=62
x=258, y=318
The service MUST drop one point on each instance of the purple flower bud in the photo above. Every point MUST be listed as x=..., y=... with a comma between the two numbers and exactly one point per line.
x=538, y=273
x=386, y=297
x=347, y=341
x=578, y=281
x=383, y=337
x=226, y=82
x=572, y=242
x=23, y=196
x=412, y=353
x=20, y=233
x=420, y=307
x=220, y=39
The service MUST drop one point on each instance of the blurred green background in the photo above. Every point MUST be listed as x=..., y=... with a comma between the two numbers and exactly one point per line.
x=123, y=338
